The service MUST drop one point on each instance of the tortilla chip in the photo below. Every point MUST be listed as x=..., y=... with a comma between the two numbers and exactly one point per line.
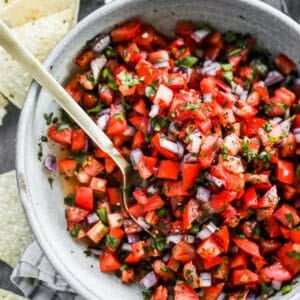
x=4, y=3
x=39, y=37
x=20, y=12
x=15, y=234
x=5, y=295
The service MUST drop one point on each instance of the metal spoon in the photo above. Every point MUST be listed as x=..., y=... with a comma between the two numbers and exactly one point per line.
x=43, y=77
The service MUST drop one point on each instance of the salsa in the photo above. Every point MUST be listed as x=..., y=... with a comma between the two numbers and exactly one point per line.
x=211, y=126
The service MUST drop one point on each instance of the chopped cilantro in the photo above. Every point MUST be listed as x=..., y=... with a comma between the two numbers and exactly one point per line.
x=286, y=289
x=226, y=67
x=164, y=269
x=102, y=213
x=87, y=253
x=48, y=118
x=234, y=52
x=161, y=212
x=256, y=230
x=69, y=199
x=106, y=75
x=289, y=218
x=151, y=89
x=50, y=180
x=267, y=127
x=128, y=79
x=228, y=76
x=79, y=156
x=187, y=62
x=264, y=156
x=111, y=241
x=95, y=109
x=224, y=152
x=113, y=85
x=120, y=116
x=158, y=123
x=158, y=243
x=62, y=126
x=44, y=139
x=109, y=52
x=125, y=104
x=74, y=231
x=192, y=106
x=40, y=151
x=247, y=84
x=230, y=37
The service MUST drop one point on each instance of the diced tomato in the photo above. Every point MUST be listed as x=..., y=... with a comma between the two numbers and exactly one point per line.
x=162, y=270
x=262, y=90
x=84, y=58
x=67, y=167
x=168, y=169
x=114, y=196
x=287, y=215
x=160, y=293
x=221, y=200
x=117, y=123
x=243, y=276
x=183, y=252
x=153, y=203
x=209, y=248
x=98, y=184
x=174, y=189
x=285, y=171
x=248, y=246
x=184, y=292
x=60, y=136
x=267, y=203
x=127, y=275
x=212, y=292
x=190, y=275
x=136, y=210
x=222, y=271
x=97, y=232
x=126, y=31
x=106, y=94
x=92, y=166
x=277, y=272
x=286, y=96
x=284, y=64
x=146, y=165
x=109, y=263
x=190, y=213
x=76, y=214
x=84, y=198
x=190, y=173
x=78, y=139
x=250, y=198
x=240, y=260
x=288, y=255
x=74, y=89
x=184, y=28
x=223, y=238
x=251, y=126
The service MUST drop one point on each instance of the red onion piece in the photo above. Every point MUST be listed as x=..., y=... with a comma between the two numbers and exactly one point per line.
x=149, y=280
x=162, y=64
x=166, y=258
x=50, y=163
x=286, y=126
x=212, y=227
x=103, y=121
x=189, y=238
x=95, y=251
x=97, y=65
x=251, y=296
x=207, y=97
x=168, y=145
x=218, y=182
x=196, y=143
x=296, y=132
x=276, y=284
x=210, y=68
x=174, y=127
x=136, y=156
x=222, y=296
x=130, y=131
x=141, y=221
x=132, y=238
x=199, y=35
x=152, y=190
x=203, y=194
x=273, y=77
x=92, y=219
x=203, y=234
x=105, y=111
x=154, y=111
x=100, y=43
x=189, y=158
x=205, y=279
x=174, y=238
x=126, y=247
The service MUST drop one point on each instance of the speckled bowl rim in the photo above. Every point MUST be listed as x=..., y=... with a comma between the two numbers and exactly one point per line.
x=42, y=240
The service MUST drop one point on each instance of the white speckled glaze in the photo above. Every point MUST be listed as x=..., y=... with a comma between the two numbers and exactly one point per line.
x=43, y=206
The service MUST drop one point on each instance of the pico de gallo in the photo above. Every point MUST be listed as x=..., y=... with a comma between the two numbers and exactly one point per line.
x=211, y=126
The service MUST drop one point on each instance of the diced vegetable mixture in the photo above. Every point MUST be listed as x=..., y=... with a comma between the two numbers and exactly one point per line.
x=211, y=126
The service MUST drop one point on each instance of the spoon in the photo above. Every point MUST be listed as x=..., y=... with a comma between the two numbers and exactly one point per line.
x=43, y=77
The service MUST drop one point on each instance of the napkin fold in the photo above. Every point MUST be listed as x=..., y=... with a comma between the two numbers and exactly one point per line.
x=34, y=274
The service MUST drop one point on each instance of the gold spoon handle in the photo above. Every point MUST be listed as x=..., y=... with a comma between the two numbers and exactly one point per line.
x=41, y=75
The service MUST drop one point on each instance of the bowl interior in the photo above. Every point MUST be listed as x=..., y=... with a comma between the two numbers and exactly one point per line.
x=43, y=205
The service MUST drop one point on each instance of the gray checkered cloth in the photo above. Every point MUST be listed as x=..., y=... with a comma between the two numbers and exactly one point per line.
x=34, y=274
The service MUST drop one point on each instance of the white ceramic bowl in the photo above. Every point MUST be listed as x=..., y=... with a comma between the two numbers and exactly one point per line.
x=44, y=206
